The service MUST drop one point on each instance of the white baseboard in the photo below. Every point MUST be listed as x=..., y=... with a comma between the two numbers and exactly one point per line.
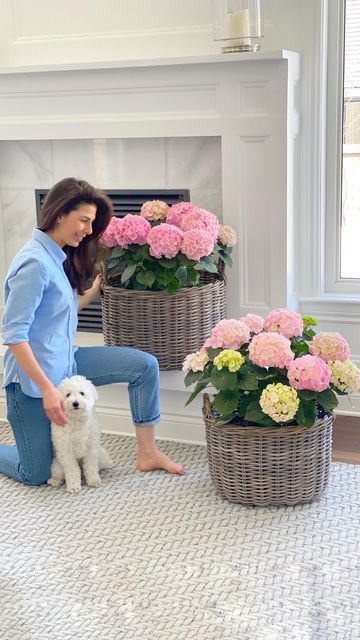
x=172, y=427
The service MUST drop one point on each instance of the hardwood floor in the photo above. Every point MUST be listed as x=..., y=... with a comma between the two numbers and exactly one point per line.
x=346, y=439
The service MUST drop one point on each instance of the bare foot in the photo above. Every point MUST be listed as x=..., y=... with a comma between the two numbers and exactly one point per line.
x=158, y=460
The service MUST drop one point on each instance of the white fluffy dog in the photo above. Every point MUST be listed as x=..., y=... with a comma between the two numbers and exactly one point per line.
x=77, y=444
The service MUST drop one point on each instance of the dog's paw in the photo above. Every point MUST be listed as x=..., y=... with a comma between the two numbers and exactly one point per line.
x=93, y=482
x=55, y=482
x=73, y=488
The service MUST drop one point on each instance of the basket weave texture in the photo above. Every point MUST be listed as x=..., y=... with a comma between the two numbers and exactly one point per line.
x=265, y=466
x=170, y=326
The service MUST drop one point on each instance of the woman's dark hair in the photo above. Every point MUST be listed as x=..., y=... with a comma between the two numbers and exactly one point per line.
x=65, y=196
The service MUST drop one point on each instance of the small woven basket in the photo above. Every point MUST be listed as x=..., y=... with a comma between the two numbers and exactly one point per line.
x=170, y=326
x=263, y=466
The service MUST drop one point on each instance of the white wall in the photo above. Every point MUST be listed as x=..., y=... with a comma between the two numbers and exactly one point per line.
x=41, y=32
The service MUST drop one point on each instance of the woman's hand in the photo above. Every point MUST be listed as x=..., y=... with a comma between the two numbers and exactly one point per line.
x=90, y=294
x=54, y=406
x=97, y=284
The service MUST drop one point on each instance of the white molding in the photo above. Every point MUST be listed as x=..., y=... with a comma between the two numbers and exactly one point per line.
x=311, y=187
x=94, y=90
x=135, y=63
x=333, y=282
x=332, y=308
x=190, y=30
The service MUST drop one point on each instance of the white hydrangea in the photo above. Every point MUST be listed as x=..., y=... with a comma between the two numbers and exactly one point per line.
x=345, y=375
x=280, y=402
x=195, y=361
x=227, y=235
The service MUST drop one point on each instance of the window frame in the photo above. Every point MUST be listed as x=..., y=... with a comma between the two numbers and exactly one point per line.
x=333, y=282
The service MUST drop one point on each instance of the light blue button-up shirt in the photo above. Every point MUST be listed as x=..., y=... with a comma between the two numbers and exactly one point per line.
x=40, y=308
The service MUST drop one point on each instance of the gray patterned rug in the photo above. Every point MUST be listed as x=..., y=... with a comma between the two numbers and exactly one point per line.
x=154, y=557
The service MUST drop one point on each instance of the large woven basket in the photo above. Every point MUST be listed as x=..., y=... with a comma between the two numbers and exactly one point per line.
x=170, y=326
x=265, y=466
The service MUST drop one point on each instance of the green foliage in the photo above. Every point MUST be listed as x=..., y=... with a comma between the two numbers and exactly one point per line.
x=135, y=268
x=299, y=346
x=199, y=387
x=223, y=379
x=192, y=377
x=327, y=399
x=226, y=401
x=306, y=413
x=247, y=382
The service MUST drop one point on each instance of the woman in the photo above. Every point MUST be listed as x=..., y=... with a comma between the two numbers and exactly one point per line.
x=43, y=291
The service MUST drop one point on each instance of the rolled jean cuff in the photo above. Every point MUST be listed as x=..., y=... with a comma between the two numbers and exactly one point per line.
x=146, y=423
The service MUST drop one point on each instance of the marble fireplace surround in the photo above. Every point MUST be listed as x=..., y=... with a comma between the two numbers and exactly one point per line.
x=247, y=100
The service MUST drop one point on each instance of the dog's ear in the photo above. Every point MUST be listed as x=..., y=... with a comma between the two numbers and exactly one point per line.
x=63, y=384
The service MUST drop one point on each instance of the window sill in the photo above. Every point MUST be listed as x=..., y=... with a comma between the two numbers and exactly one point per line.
x=332, y=307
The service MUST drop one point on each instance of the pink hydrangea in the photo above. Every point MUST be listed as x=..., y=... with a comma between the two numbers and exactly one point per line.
x=133, y=229
x=109, y=236
x=288, y=323
x=196, y=244
x=254, y=322
x=165, y=241
x=309, y=372
x=177, y=211
x=210, y=342
x=330, y=345
x=154, y=210
x=201, y=220
x=187, y=216
x=229, y=334
x=271, y=350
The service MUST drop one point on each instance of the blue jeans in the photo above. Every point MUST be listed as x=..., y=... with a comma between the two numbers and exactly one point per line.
x=30, y=460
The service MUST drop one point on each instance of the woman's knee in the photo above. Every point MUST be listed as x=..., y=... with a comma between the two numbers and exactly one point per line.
x=37, y=476
x=151, y=366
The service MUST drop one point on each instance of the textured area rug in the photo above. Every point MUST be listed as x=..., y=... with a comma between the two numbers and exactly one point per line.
x=154, y=556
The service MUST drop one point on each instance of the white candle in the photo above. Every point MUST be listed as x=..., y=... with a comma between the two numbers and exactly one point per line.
x=238, y=24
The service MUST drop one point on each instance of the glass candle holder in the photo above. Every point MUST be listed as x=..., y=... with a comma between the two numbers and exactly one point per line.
x=238, y=23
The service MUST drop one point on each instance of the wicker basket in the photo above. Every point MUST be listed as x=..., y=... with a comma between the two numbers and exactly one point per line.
x=170, y=326
x=265, y=466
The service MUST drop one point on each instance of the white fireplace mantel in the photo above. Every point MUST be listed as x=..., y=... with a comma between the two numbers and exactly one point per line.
x=247, y=100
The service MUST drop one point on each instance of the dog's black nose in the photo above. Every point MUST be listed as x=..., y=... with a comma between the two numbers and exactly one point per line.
x=75, y=404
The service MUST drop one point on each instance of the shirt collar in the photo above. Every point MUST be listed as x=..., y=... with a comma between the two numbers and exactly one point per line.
x=50, y=245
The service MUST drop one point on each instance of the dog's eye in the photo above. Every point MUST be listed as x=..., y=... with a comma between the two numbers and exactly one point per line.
x=68, y=394
x=82, y=393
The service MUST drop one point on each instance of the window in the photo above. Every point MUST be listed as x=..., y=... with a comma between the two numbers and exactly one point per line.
x=350, y=215
x=342, y=214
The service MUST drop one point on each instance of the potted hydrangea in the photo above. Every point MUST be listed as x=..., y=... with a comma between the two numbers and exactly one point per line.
x=164, y=285
x=269, y=423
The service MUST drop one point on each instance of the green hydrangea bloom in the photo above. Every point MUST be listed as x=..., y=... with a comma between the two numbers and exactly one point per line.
x=230, y=359
x=310, y=321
